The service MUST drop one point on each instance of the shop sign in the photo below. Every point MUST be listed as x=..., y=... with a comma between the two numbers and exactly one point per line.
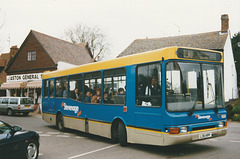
x=24, y=77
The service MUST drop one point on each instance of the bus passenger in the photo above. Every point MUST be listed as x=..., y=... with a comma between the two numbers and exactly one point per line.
x=110, y=94
x=75, y=94
x=88, y=97
x=65, y=90
x=121, y=91
x=106, y=100
x=115, y=93
x=97, y=97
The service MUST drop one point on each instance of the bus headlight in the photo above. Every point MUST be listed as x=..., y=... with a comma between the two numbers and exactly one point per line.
x=184, y=129
x=221, y=124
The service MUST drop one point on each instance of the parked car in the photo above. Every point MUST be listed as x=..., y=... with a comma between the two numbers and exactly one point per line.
x=16, y=143
x=11, y=105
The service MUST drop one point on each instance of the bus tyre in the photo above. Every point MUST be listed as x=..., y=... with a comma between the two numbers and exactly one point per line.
x=9, y=112
x=60, y=123
x=122, y=134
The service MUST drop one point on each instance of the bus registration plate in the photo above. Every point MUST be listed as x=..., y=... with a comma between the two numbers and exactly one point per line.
x=27, y=106
x=204, y=136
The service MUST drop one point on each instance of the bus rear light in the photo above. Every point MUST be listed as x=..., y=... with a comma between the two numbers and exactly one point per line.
x=184, y=129
x=19, y=107
x=226, y=124
x=174, y=130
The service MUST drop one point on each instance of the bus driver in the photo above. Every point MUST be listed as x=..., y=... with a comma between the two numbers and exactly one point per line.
x=154, y=90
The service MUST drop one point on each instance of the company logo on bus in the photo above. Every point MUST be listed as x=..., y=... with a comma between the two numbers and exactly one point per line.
x=71, y=108
x=204, y=117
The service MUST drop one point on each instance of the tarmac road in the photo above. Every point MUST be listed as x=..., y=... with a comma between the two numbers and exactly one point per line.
x=77, y=145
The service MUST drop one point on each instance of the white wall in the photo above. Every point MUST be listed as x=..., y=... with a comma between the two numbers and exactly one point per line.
x=230, y=73
x=64, y=65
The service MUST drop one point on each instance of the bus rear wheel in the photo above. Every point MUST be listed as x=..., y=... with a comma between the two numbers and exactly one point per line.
x=122, y=134
x=60, y=123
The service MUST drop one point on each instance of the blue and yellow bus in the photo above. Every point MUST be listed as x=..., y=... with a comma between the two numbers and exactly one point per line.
x=162, y=97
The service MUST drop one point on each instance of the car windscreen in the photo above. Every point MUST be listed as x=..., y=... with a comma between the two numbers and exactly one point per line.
x=4, y=128
x=26, y=101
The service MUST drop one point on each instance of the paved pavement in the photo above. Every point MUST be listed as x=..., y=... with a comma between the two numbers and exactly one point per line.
x=77, y=145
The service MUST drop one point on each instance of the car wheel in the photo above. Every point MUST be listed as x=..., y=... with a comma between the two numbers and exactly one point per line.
x=122, y=134
x=60, y=123
x=26, y=113
x=32, y=150
x=9, y=112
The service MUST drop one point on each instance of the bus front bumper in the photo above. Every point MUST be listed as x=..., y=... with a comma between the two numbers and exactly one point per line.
x=170, y=139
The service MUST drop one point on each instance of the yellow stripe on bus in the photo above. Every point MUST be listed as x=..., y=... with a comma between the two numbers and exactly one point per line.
x=151, y=56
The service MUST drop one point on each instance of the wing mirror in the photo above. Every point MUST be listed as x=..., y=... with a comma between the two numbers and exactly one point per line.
x=16, y=128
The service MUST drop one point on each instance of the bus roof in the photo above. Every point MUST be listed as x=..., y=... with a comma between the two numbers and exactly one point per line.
x=145, y=57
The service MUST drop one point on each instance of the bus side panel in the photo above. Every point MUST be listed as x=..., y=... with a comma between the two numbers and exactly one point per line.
x=143, y=136
x=100, y=128
x=50, y=118
x=74, y=123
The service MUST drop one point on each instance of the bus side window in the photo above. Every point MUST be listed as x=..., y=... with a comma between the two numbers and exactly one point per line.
x=45, y=88
x=75, y=87
x=115, y=86
x=92, y=87
x=51, y=88
x=148, y=88
x=61, y=87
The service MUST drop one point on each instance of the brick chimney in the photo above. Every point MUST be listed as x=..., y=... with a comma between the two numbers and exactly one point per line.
x=13, y=50
x=225, y=23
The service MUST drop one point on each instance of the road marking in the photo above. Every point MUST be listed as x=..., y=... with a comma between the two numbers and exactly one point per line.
x=213, y=139
x=233, y=141
x=45, y=135
x=78, y=137
x=53, y=133
x=39, y=132
x=40, y=154
x=66, y=133
x=87, y=153
x=63, y=136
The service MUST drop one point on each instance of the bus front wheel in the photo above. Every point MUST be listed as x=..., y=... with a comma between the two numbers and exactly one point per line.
x=60, y=123
x=122, y=134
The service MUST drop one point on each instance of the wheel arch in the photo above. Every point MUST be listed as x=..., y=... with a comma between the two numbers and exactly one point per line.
x=114, y=126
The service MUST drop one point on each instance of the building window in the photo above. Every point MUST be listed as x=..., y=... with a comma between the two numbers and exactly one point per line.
x=32, y=56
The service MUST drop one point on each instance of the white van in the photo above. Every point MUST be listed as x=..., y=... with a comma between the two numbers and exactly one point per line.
x=11, y=105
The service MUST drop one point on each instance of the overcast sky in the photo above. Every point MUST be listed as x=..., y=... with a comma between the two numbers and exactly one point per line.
x=121, y=20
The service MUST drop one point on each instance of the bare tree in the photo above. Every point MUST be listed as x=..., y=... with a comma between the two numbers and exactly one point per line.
x=92, y=35
x=2, y=21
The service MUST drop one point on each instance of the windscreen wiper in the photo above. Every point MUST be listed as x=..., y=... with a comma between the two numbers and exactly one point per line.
x=193, y=108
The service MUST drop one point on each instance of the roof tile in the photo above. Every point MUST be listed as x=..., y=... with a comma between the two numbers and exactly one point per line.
x=210, y=40
x=60, y=50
